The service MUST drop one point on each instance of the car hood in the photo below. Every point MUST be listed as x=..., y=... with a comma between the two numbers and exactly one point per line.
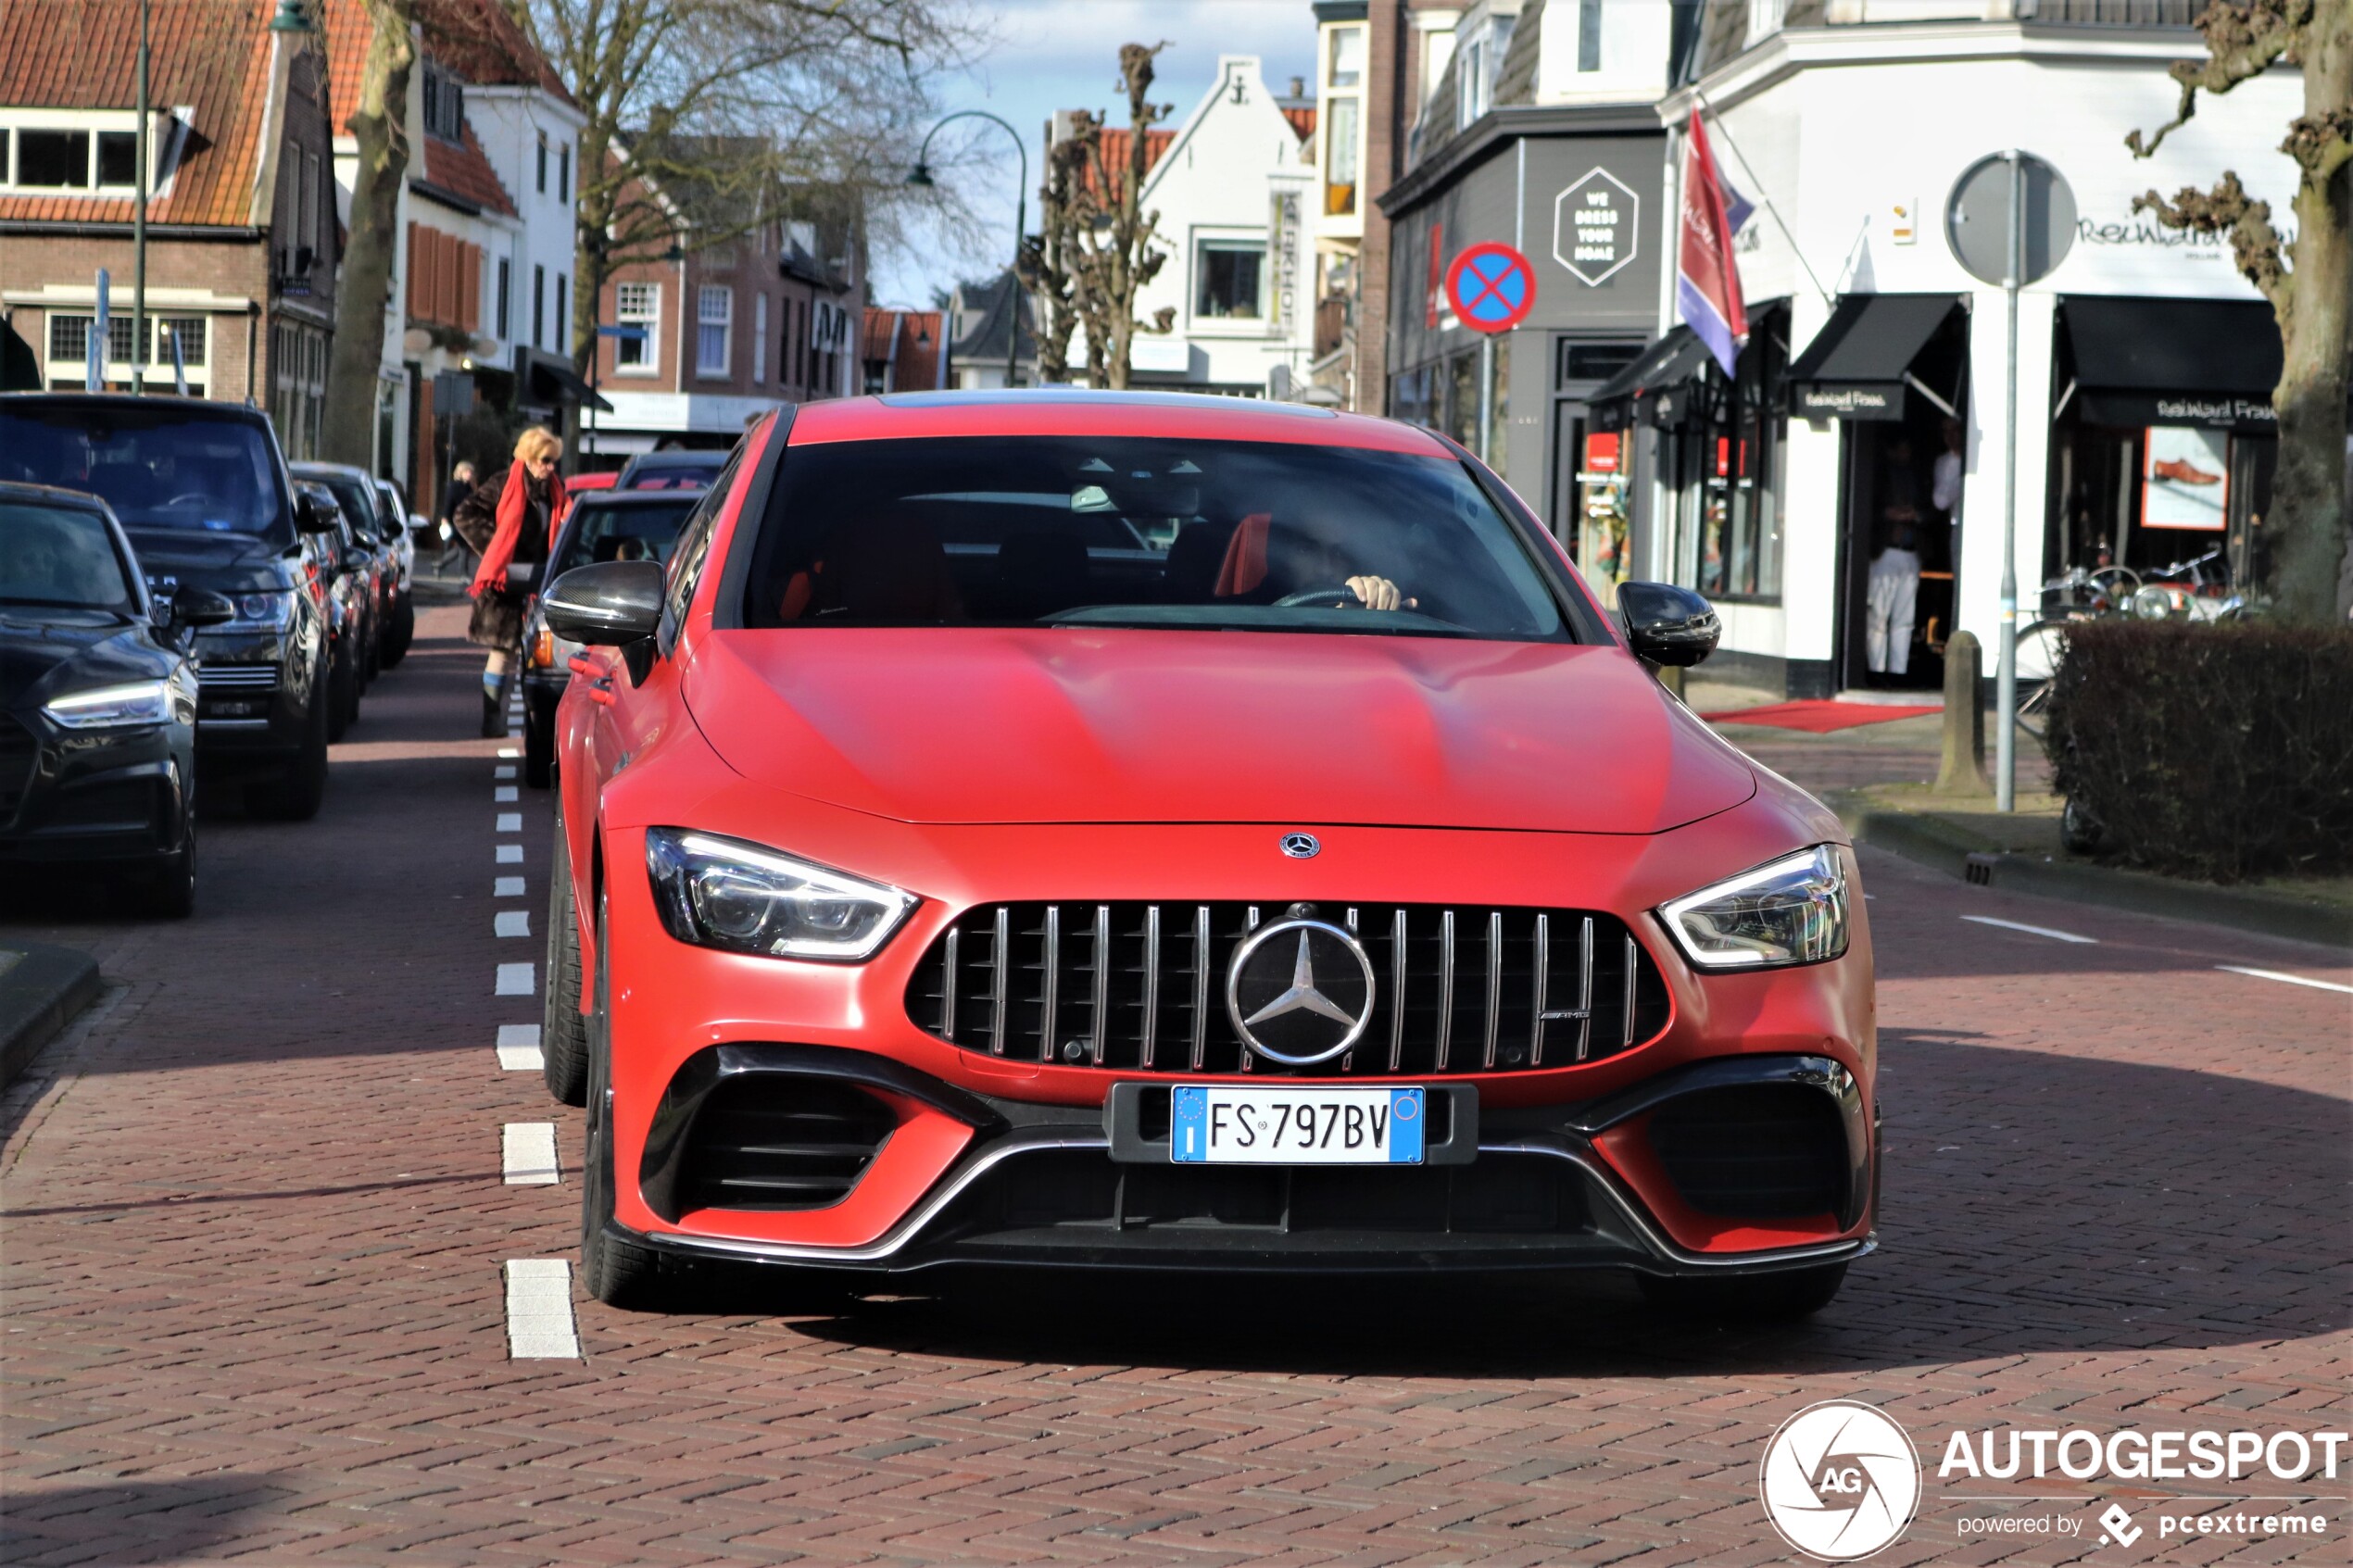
x=38, y=645
x=225, y=562
x=1094, y=725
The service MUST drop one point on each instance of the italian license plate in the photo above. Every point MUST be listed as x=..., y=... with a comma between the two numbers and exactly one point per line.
x=1230, y=1124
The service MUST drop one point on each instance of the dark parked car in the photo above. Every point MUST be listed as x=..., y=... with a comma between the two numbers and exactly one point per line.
x=97, y=701
x=384, y=530
x=202, y=491
x=670, y=470
x=602, y=525
x=348, y=568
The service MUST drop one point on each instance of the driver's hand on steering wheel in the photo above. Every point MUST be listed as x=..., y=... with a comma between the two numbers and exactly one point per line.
x=1380, y=593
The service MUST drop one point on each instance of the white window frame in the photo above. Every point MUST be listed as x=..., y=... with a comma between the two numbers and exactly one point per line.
x=644, y=310
x=760, y=340
x=707, y=295
x=1207, y=240
x=93, y=123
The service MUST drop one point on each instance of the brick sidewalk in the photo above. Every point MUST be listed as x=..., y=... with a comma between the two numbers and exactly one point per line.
x=255, y=1224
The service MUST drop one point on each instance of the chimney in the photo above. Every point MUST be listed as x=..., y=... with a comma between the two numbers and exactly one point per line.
x=1299, y=87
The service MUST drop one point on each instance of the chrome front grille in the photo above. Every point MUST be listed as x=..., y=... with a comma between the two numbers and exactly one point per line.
x=1142, y=987
x=238, y=678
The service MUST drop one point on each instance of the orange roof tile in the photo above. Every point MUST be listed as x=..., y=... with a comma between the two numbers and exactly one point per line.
x=210, y=58
x=464, y=172
x=1114, y=144
x=1303, y=122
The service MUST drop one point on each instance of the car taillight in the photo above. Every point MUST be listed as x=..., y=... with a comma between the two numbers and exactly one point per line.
x=543, y=650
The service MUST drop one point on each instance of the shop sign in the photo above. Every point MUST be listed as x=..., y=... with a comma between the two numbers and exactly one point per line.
x=2179, y=409
x=1597, y=226
x=1853, y=400
x=1282, y=237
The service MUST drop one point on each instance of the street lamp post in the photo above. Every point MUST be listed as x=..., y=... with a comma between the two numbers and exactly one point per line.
x=921, y=176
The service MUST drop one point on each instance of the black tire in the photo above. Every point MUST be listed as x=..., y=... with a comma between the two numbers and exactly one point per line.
x=343, y=694
x=538, y=748
x=563, y=1034
x=168, y=891
x=296, y=795
x=403, y=630
x=1775, y=1298
x=617, y=1271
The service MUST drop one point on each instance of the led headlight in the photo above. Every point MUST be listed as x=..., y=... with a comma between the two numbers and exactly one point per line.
x=272, y=611
x=139, y=702
x=717, y=892
x=1787, y=912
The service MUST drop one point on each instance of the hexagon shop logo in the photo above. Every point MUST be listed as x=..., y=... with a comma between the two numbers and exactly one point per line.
x=1839, y=1480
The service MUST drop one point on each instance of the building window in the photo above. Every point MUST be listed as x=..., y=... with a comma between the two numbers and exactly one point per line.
x=543, y=163
x=1348, y=56
x=190, y=330
x=1765, y=17
x=118, y=157
x=1470, y=82
x=1340, y=157
x=309, y=206
x=760, y=340
x=445, y=105
x=5, y=143
x=563, y=173
x=563, y=313
x=1229, y=278
x=54, y=159
x=1730, y=543
x=783, y=343
x=714, y=313
x=637, y=305
x=506, y=296
x=1589, y=34
x=538, y=306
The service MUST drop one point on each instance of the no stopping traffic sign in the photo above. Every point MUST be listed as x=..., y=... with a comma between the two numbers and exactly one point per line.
x=1491, y=288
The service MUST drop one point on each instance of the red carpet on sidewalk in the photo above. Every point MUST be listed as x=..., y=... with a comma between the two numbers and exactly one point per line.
x=1818, y=717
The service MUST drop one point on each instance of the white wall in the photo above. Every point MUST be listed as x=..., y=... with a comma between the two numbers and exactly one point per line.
x=507, y=122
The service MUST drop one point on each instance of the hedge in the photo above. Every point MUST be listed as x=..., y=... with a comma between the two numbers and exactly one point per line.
x=2217, y=751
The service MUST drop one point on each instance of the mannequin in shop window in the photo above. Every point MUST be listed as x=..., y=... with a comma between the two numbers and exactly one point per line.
x=1945, y=490
x=1895, y=587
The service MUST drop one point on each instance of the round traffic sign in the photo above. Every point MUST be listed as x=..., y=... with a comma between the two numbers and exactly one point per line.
x=2000, y=192
x=1491, y=288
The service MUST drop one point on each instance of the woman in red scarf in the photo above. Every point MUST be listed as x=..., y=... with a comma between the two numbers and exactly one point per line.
x=528, y=503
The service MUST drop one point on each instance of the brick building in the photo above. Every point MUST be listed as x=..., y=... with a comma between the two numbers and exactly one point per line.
x=242, y=238
x=745, y=315
x=903, y=351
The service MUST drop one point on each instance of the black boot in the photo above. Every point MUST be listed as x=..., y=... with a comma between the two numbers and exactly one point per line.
x=494, y=717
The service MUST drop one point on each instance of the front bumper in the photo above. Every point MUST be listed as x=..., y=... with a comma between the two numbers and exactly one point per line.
x=97, y=796
x=1518, y=1189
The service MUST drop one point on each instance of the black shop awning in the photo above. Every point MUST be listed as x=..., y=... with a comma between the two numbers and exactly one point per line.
x=1855, y=366
x=548, y=379
x=1656, y=389
x=2173, y=361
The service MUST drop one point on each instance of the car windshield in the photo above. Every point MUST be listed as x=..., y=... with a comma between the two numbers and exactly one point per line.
x=1094, y=530
x=156, y=467
x=60, y=557
x=358, y=498
x=599, y=531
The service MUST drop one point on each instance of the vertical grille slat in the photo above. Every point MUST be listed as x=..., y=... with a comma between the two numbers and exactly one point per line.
x=1141, y=986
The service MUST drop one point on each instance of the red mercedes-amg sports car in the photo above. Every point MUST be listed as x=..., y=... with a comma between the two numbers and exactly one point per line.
x=1140, y=831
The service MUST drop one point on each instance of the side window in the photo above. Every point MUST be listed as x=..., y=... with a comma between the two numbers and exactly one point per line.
x=694, y=547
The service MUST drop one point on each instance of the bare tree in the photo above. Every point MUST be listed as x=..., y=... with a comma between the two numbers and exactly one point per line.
x=379, y=124
x=738, y=100
x=1095, y=254
x=2309, y=279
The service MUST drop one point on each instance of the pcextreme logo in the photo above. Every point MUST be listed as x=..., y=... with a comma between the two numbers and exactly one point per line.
x=1839, y=1480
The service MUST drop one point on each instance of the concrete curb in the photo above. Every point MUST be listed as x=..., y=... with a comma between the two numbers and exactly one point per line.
x=1948, y=850
x=40, y=993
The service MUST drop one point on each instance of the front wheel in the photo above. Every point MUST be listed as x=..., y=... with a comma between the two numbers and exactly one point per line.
x=563, y=1034
x=1774, y=1298
x=402, y=631
x=296, y=795
x=538, y=747
x=617, y=1271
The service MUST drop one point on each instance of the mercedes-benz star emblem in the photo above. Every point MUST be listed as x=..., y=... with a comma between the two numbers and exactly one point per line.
x=1300, y=992
x=1301, y=846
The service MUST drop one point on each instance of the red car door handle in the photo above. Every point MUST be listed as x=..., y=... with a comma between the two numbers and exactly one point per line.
x=581, y=664
x=601, y=691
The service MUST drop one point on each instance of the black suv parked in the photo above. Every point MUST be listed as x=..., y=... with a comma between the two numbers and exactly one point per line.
x=382, y=529
x=202, y=490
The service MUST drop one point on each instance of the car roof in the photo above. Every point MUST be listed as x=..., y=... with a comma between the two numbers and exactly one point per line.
x=1082, y=412
x=609, y=500
x=681, y=458
x=194, y=407
x=334, y=471
x=53, y=494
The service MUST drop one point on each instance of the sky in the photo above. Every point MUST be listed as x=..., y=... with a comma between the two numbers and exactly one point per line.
x=1064, y=53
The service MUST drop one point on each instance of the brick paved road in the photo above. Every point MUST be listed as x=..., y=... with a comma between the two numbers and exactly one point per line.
x=255, y=1222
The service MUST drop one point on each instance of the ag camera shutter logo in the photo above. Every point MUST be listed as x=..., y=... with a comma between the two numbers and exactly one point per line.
x=1839, y=1480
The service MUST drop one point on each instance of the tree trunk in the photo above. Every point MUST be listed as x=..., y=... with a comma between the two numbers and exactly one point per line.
x=2312, y=513
x=379, y=123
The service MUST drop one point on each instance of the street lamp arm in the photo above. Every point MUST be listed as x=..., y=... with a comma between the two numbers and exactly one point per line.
x=1020, y=148
x=1021, y=221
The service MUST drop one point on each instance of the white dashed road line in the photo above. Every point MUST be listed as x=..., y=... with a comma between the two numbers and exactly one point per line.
x=509, y=751
x=2033, y=930
x=507, y=887
x=2286, y=979
x=510, y=854
x=511, y=822
x=518, y=1047
x=504, y=771
x=510, y=922
x=527, y=1154
x=504, y=794
x=539, y=1309
x=514, y=980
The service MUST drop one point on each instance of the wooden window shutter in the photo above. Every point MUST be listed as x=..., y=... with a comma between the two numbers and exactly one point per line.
x=416, y=276
x=469, y=289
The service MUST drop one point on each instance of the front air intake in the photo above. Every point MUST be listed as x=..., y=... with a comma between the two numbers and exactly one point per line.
x=779, y=1142
x=1755, y=1151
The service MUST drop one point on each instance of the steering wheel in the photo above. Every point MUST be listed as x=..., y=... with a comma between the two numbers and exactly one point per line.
x=1338, y=597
